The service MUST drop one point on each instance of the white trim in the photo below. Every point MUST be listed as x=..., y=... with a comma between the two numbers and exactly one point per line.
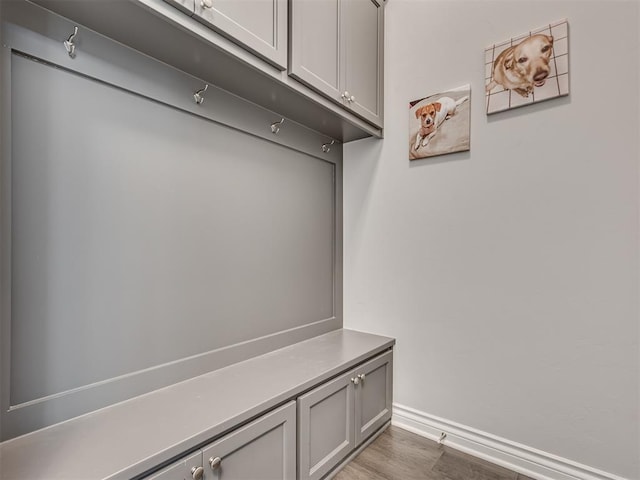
x=500, y=451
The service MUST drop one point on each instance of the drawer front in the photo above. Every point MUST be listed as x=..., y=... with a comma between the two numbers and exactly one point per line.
x=264, y=449
x=325, y=433
x=259, y=25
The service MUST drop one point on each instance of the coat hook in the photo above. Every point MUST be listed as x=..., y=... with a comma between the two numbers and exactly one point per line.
x=326, y=146
x=275, y=127
x=69, y=45
x=199, y=95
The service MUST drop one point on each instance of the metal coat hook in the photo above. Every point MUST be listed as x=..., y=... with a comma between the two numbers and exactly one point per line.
x=199, y=95
x=326, y=147
x=275, y=127
x=69, y=45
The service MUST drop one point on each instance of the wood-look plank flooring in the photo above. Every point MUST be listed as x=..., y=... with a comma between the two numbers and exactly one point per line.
x=401, y=455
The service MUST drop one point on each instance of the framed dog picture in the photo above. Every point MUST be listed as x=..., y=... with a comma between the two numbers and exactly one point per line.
x=440, y=123
x=529, y=68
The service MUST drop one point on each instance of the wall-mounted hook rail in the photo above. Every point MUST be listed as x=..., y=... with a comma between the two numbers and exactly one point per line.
x=275, y=126
x=69, y=44
x=326, y=147
x=199, y=95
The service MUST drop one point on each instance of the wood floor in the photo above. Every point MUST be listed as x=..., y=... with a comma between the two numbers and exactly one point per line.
x=401, y=455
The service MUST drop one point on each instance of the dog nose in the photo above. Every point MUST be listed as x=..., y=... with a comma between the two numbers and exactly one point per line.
x=540, y=75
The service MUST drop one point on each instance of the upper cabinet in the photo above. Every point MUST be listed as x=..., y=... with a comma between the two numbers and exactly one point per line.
x=315, y=62
x=258, y=25
x=337, y=49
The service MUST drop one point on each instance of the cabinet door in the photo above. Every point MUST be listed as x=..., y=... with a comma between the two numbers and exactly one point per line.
x=373, y=395
x=187, y=6
x=185, y=469
x=259, y=25
x=264, y=449
x=325, y=427
x=315, y=45
x=363, y=47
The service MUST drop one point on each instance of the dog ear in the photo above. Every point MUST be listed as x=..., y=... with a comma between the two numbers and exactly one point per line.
x=418, y=112
x=508, y=60
x=438, y=106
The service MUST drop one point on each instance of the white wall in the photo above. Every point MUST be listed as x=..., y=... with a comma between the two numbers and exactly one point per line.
x=508, y=274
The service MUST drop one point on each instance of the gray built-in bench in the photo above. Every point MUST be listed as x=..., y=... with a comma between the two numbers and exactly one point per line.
x=297, y=412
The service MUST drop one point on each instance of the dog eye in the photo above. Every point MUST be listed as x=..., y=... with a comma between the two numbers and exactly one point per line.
x=522, y=59
x=546, y=48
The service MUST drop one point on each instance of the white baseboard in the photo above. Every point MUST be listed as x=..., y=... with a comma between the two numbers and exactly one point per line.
x=514, y=456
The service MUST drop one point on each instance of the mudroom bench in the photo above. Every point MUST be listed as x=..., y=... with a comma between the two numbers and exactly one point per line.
x=297, y=412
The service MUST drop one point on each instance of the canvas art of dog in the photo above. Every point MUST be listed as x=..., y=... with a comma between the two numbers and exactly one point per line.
x=432, y=116
x=524, y=66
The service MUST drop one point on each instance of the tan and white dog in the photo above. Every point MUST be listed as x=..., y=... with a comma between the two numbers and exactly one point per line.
x=523, y=66
x=431, y=117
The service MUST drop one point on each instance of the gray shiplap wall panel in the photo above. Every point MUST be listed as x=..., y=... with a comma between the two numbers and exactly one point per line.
x=143, y=235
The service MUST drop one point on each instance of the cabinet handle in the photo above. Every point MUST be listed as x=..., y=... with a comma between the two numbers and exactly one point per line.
x=206, y=3
x=352, y=98
x=197, y=473
x=215, y=462
x=355, y=381
x=361, y=377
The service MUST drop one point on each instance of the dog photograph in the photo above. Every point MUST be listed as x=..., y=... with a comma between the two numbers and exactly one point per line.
x=440, y=123
x=529, y=68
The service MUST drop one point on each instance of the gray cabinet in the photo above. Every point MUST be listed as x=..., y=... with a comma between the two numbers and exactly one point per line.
x=325, y=427
x=188, y=468
x=373, y=396
x=258, y=25
x=187, y=6
x=264, y=449
x=337, y=49
x=335, y=418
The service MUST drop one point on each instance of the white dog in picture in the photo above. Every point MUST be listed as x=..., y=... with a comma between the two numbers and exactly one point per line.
x=432, y=116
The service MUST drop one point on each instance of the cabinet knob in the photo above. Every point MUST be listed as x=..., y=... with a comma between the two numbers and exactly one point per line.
x=348, y=97
x=197, y=473
x=215, y=462
x=361, y=377
x=206, y=3
x=355, y=380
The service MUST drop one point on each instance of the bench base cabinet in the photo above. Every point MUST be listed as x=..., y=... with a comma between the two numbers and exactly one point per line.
x=335, y=418
x=264, y=449
x=316, y=432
